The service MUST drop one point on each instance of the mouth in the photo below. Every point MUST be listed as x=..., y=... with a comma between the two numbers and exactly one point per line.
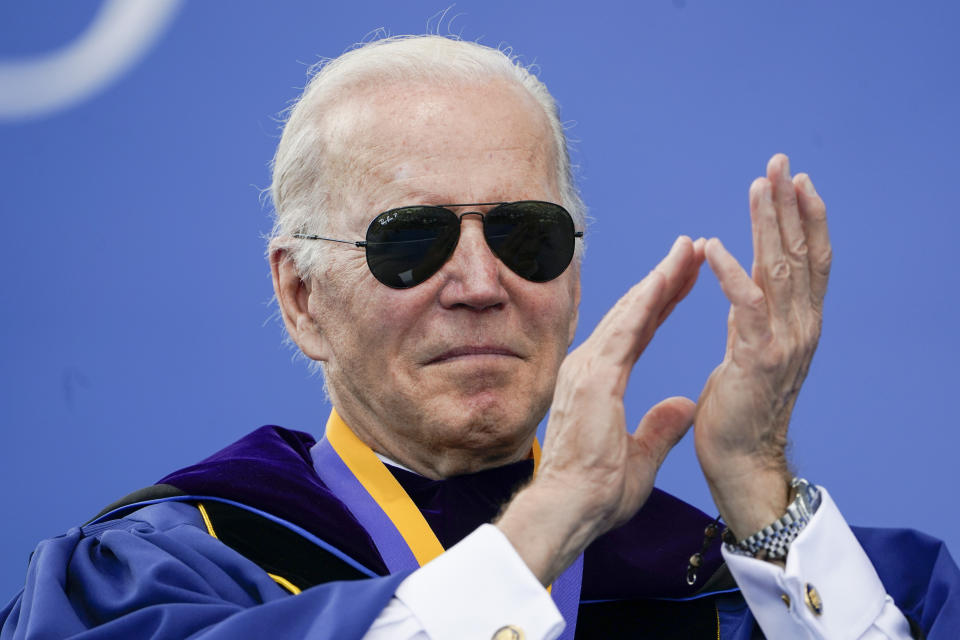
x=482, y=351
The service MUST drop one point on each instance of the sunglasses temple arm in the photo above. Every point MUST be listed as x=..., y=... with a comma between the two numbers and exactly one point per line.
x=307, y=236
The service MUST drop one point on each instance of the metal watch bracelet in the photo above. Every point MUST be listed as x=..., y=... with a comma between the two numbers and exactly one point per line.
x=775, y=539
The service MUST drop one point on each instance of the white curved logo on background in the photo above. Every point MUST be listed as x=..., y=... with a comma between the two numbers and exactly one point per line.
x=121, y=32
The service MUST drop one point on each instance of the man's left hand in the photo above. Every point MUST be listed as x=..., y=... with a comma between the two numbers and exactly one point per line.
x=773, y=328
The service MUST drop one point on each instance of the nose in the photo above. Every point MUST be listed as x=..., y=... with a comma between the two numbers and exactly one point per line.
x=472, y=276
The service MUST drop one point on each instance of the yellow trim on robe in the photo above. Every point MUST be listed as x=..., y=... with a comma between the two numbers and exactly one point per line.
x=283, y=582
x=206, y=520
x=286, y=584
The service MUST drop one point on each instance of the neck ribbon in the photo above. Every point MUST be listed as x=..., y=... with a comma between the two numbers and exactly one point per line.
x=354, y=473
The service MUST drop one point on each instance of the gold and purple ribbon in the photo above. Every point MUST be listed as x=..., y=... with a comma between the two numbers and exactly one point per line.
x=354, y=473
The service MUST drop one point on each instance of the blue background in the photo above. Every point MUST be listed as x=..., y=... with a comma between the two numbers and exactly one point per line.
x=137, y=331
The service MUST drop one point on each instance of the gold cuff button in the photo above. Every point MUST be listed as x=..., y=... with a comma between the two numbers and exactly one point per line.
x=812, y=597
x=508, y=632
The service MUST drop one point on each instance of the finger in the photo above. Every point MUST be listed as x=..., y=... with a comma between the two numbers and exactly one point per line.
x=698, y=247
x=792, y=233
x=771, y=271
x=813, y=213
x=663, y=426
x=675, y=265
x=680, y=295
x=628, y=327
x=693, y=274
x=749, y=314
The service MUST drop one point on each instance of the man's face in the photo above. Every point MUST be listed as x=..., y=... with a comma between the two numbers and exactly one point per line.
x=454, y=374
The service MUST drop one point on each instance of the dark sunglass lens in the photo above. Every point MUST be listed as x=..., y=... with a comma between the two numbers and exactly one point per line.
x=534, y=239
x=406, y=246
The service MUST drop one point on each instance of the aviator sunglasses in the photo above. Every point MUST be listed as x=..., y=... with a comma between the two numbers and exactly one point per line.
x=407, y=245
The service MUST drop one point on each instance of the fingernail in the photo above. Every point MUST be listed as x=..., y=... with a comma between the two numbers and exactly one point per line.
x=808, y=187
x=767, y=193
x=785, y=168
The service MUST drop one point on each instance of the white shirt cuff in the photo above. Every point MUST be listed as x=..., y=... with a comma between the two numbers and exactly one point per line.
x=825, y=562
x=477, y=587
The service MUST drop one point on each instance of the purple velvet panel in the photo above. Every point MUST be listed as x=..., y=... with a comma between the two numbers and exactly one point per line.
x=271, y=469
x=456, y=506
x=647, y=557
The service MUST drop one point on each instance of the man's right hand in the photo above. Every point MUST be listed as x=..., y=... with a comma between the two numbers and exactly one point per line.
x=593, y=474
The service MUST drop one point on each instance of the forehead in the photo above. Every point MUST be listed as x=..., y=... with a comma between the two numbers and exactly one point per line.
x=423, y=142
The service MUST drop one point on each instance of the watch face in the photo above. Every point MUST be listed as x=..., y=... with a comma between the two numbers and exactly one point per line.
x=808, y=497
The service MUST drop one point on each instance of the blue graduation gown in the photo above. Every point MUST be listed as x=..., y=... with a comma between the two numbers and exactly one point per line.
x=156, y=572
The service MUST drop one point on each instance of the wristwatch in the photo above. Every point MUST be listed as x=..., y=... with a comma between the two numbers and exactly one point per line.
x=775, y=539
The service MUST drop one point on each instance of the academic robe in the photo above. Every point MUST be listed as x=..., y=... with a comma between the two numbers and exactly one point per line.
x=148, y=567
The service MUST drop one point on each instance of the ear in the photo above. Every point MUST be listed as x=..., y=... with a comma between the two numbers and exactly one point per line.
x=293, y=297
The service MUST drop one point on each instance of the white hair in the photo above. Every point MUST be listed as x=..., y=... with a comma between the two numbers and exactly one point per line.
x=303, y=191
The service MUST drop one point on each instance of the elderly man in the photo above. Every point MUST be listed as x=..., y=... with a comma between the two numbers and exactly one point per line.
x=426, y=253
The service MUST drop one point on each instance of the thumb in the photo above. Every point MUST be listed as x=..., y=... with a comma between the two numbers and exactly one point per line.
x=663, y=426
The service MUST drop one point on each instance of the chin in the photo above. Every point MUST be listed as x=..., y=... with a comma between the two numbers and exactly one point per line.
x=492, y=423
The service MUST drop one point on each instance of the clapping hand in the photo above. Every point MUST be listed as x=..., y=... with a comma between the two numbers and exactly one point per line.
x=774, y=324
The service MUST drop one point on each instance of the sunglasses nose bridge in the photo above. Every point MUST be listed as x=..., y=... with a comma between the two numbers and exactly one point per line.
x=472, y=245
x=471, y=213
x=483, y=222
x=461, y=216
